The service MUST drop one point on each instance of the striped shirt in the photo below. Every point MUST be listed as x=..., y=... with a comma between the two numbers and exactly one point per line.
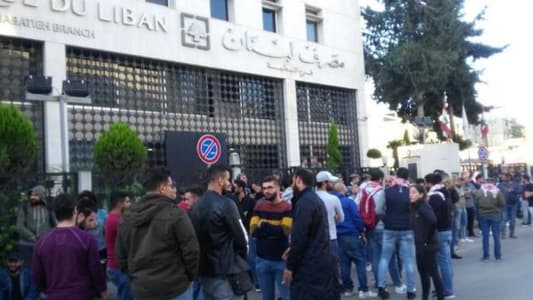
x=271, y=225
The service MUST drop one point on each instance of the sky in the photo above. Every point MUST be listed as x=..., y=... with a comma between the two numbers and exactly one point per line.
x=506, y=76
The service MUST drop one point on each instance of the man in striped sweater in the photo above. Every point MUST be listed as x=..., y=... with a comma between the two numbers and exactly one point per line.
x=271, y=225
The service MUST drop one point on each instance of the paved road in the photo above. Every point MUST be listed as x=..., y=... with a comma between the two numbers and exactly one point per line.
x=509, y=279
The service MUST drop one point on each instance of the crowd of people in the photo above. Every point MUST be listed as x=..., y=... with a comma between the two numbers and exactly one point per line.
x=292, y=240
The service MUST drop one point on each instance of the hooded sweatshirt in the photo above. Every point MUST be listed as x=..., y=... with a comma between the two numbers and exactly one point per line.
x=157, y=247
x=35, y=220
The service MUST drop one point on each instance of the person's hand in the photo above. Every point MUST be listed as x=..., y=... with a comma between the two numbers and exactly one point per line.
x=363, y=237
x=104, y=296
x=285, y=254
x=287, y=277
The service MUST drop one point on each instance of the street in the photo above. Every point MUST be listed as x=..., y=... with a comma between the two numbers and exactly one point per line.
x=509, y=279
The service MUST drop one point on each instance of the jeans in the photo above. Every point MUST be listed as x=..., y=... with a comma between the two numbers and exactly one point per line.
x=197, y=290
x=334, y=246
x=187, y=295
x=375, y=242
x=444, y=258
x=462, y=223
x=122, y=282
x=526, y=218
x=352, y=249
x=269, y=275
x=509, y=215
x=217, y=288
x=471, y=216
x=251, y=257
x=405, y=239
x=488, y=223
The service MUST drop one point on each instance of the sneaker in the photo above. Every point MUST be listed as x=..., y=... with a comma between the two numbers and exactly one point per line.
x=257, y=289
x=469, y=240
x=369, y=294
x=383, y=294
x=411, y=295
x=452, y=296
x=513, y=236
x=456, y=256
x=349, y=293
x=400, y=290
x=368, y=267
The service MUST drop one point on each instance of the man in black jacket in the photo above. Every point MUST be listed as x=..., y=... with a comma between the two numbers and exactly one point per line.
x=221, y=235
x=440, y=201
x=311, y=267
x=156, y=245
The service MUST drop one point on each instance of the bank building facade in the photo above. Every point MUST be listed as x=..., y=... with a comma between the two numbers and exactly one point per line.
x=270, y=76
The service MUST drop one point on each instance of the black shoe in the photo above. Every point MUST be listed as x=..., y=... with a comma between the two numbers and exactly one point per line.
x=455, y=256
x=382, y=293
x=411, y=295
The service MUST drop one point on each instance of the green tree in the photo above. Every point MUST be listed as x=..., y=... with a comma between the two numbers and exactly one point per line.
x=373, y=153
x=18, y=147
x=120, y=155
x=334, y=154
x=417, y=50
x=406, y=138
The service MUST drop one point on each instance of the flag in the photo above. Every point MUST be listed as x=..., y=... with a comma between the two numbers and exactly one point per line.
x=484, y=122
x=466, y=131
x=445, y=120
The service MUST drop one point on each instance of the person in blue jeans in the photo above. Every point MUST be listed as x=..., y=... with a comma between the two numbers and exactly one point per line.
x=511, y=192
x=490, y=201
x=351, y=240
x=271, y=225
x=439, y=200
x=398, y=231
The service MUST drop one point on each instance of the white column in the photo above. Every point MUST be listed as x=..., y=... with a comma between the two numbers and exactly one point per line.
x=362, y=125
x=291, y=123
x=55, y=65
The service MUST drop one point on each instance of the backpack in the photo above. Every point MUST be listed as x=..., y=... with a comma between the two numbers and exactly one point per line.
x=367, y=208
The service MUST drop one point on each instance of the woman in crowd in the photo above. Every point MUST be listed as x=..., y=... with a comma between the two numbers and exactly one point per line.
x=425, y=226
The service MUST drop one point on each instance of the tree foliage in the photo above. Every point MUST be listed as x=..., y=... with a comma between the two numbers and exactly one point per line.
x=334, y=153
x=18, y=145
x=120, y=155
x=373, y=153
x=417, y=50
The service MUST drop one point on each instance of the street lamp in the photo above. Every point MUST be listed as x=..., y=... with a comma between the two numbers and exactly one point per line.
x=39, y=88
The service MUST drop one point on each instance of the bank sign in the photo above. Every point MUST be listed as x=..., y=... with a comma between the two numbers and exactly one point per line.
x=130, y=25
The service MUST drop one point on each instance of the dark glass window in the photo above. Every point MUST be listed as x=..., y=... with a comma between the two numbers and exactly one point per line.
x=160, y=2
x=219, y=9
x=269, y=20
x=312, y=31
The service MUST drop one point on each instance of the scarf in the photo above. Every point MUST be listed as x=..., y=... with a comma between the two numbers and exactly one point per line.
x=400, y=182
x=435, y=190
x=489, y=188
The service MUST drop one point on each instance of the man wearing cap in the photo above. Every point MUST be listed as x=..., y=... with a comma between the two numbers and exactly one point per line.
x=324, y=185
x=15, y=281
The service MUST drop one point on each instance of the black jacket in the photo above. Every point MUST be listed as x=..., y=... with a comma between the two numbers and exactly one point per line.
x=425, y=226
x=443, y=209
x=157, y=247
x=222, y=237
x=310, y=258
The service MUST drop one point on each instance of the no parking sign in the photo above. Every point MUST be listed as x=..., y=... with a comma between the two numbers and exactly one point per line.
x=208, y=149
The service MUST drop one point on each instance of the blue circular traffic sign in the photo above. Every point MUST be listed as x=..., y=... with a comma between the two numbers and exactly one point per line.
x=483, y=153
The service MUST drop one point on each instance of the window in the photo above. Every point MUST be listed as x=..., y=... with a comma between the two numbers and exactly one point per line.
x=160, y=2
x=312, y=31
x=269, y=20
x=313, y=22
x=271, y=14
x=220, y=9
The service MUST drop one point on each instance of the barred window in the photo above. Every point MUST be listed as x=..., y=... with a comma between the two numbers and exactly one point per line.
x=155, y=96
x=18, y=59
x=318, y=107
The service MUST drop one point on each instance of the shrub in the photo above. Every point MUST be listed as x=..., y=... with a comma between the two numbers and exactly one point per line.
x=334, y=154
x=120, y=155
x=373, y=153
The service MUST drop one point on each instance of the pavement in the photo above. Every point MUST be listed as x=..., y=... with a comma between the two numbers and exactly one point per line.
x=508, y=279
